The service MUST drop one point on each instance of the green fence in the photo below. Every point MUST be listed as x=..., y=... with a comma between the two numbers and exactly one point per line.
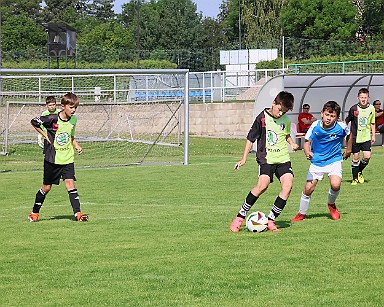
x=369, y=66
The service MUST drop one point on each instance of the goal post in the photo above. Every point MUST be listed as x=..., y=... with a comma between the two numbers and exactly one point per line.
x=125, y=117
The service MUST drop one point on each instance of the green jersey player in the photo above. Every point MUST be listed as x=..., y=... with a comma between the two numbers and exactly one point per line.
x=50, y=102
x=271, y=130
x=59, y=151
x=362, y=119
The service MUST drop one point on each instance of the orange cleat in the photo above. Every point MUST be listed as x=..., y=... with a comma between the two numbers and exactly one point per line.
x=272, y=226
x=33, y=217
x=299, y=217
x=81, y=217
x=335, y=215
x=236, y=224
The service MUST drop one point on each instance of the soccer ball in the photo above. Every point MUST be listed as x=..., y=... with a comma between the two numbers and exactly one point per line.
x=256, y=222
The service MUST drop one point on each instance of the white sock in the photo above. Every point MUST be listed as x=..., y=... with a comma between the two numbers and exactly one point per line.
x=304, y=203
x=332, y=195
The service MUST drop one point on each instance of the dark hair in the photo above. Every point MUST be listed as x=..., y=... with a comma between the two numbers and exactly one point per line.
x=71, y=99
x=50, y=99
x=363, y=91
x=332, y=106
x=377, y=102
x=285, y=99
x=306, y=105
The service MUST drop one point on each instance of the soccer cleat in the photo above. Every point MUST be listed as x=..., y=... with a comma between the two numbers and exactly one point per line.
x=360, y=177
x=81, y=217
x=299, y=217
x=236, y=224
x=354, y=182
x=335, y=215
x=272, y=226
x=33, y=217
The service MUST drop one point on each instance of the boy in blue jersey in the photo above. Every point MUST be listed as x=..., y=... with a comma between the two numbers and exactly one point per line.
x=323, y=147
x=271, y=130
x=60, y=146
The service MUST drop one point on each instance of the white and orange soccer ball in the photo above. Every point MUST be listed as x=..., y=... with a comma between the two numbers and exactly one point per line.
x=256, y=222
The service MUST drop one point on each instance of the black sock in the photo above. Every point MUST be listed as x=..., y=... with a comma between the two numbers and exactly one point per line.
x=363, y=164
x=277, y=208
x=247, y=205
x=355, y=169
x=39, y=200
x=74, y=199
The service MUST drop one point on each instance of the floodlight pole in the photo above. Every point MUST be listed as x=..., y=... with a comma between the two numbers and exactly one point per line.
x=239, y=25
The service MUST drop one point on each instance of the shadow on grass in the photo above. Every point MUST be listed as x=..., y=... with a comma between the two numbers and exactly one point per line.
x=63, y=217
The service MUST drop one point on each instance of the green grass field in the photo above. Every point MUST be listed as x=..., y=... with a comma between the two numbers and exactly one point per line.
x=159, y=236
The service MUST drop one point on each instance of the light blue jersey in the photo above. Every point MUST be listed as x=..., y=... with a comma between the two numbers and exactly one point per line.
x=326, y=144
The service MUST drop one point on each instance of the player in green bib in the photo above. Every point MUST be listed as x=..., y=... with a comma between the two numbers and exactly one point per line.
x=362, y=119
x=50, y=103
x=59, y=152
x=271, y=130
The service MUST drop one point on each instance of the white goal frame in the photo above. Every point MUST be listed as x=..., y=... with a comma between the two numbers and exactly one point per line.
x=114, y=95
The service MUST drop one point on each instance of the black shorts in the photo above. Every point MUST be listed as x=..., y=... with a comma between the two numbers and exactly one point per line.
x=356, y=147
x=54, y=172
x=277, y=169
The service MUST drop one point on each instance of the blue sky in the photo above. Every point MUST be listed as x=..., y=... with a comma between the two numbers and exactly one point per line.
x=209, y=8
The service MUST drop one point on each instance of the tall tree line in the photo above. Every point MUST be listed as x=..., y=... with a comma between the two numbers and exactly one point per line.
x=174, y=29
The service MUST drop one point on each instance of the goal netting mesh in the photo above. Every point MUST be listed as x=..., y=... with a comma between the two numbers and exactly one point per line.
x=146, y=126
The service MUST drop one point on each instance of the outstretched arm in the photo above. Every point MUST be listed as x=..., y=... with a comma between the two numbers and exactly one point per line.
x=247, y=148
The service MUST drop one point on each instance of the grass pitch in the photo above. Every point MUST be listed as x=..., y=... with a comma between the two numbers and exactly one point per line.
x=159, y=236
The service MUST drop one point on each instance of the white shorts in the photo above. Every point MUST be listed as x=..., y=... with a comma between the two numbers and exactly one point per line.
x=317, y=172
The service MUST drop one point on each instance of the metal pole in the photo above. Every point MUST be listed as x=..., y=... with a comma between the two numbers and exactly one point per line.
x=283, y=53
x=186, y=119
x=239, y=25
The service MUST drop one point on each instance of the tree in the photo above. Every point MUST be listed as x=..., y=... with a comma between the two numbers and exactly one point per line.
x=102, y=10
x=320, y=19
x=67, y=11
x=261, y=22
x=372, y=24
x=20, y=33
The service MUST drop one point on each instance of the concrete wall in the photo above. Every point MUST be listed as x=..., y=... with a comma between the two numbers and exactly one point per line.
x=221, y=119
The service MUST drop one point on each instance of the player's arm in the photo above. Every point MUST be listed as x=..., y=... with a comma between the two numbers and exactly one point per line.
x=348, y=151
x=290, y=141
x=307, y=149
x=37, y=123
x=247, y=148
x=373, y=133
x=77, y=146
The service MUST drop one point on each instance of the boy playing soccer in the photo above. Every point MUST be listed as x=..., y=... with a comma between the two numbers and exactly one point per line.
x=50, y=102
x=59, y=154
x=323, y=147
x=362, y=119
x=271, y=129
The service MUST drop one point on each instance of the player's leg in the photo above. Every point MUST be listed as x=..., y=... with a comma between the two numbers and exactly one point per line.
x=51, y=176
x=285, y=174
x=262, y=185
x=355, y=163
x=334, y=176
x=69, y=180
x=315, y=173
x=366, y=148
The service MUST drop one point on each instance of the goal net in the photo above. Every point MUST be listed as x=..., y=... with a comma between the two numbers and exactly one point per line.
x=145, y=124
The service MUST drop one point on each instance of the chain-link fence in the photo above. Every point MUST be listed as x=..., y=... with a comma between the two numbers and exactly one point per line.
x=292, y=49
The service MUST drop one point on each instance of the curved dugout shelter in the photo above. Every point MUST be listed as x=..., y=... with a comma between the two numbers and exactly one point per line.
x=316, y=89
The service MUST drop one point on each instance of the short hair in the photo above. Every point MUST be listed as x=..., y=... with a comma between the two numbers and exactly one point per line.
x=363, y=90
x=71, y=99
x=285, y=99
x=377, y=101
x=306, y=105
x=50, y=99
x=332, y=106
